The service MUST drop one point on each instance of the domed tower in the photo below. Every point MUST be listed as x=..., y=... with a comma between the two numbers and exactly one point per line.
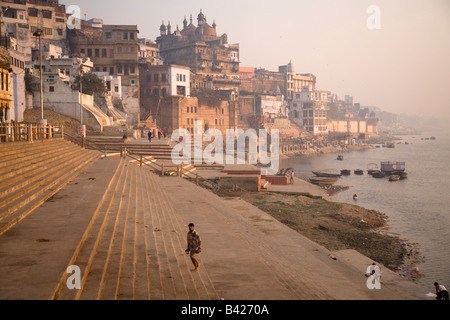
x=185, y=22
x=201, y=18
x=169, y=28
x=214, y=24
x=163, y=29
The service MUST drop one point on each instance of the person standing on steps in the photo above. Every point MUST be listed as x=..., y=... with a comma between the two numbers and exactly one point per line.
x=193, y=245
x=150, y=136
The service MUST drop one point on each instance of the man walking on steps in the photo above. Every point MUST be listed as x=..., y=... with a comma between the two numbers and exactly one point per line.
x=193, y=245
x=150, y=136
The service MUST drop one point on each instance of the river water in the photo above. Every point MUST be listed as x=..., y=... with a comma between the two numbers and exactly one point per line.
x=418, y=207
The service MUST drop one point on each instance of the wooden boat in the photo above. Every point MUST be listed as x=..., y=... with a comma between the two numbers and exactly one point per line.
x=371, y=168
x=378, y=174
x=394, y=178
x=327, y=174
x=359, y=172
x=390, y=145
x=346, y=172
x=340, y=157
x=323, y=180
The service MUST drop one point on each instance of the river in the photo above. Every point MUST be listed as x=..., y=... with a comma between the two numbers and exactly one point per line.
x=418, y=207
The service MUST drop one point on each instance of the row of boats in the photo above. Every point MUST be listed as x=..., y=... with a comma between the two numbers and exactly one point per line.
x=394, y=170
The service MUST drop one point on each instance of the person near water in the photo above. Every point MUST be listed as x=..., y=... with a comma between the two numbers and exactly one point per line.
x=441, y=292
x=193, y=245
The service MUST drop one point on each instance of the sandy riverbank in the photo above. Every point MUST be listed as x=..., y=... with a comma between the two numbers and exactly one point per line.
x=339, y=226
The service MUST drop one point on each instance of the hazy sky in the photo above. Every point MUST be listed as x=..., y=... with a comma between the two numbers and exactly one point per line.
x=402, y=67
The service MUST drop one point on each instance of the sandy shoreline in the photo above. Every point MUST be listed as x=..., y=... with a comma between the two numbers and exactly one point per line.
x=339, y=226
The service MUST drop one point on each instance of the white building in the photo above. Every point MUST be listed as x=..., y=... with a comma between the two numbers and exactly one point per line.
x=179, y=80
x=309, y=110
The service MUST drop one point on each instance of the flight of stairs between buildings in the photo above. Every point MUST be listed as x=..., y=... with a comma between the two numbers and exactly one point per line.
x=31, y=173
x=158, y=149
x=132, y=247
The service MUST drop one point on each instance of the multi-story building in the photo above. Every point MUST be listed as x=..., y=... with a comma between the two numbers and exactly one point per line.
x=294, y=82
x=149, y=52
x=158, y=82
x=113, y=49
x=202, y=50
x=5, y=85
x=18, y=96
x=309, y=110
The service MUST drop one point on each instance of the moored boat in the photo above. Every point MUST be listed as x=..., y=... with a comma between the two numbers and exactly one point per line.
x=340, y=157
x=346, y=172
x=378, y=174
x=323, y=180
x=371, y=168
x=394, y=178
x=359, y=172
x=327, y=174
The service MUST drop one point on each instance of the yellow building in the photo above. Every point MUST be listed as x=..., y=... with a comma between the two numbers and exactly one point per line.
x=5, y=85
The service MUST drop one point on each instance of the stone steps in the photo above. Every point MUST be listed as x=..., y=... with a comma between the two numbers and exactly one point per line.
x=134, y=246
x=23, y=189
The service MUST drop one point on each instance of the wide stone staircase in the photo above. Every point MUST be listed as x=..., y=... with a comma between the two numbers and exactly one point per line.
x=132, y=248
x=31, y=173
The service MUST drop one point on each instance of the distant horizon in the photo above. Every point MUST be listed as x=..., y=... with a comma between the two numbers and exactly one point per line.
x=403, y=67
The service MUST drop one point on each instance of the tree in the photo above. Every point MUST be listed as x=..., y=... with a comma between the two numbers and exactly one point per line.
x=91, y=84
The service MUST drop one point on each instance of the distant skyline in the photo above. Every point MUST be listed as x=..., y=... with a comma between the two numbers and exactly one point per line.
x=404, y=67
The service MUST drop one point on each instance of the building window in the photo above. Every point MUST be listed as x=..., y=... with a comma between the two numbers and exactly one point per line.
x=181, y=90
x=51, y=89
x=163, y=77
x=125, y=36
x=131, y=36
x=155, y=92
x=119, y=70
x=195, y=109
x=46, y=14
x=32, y=12
x=48, y=31
x=89, y=53
x=187, y=109
x=164, y=92
x=156, y=77
x=116, y=89
x=132, y=69
x=108, y=35
x=111, y=71
x=133, y=82
x=97, y=53
x=104, y=53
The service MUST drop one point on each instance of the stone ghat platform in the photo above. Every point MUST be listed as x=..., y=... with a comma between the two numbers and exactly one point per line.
x=125, y=228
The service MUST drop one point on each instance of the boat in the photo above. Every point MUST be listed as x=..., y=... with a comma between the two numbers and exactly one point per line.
x=359, y=172
x=433, y=138
x=371, y=168
x=378, y=174
x=390, y=145
x=394, y=178
x=346, y=172
x=403, y=175
x=323, y=180
x=340, y=157
x=391, y=167
x=327, y=174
